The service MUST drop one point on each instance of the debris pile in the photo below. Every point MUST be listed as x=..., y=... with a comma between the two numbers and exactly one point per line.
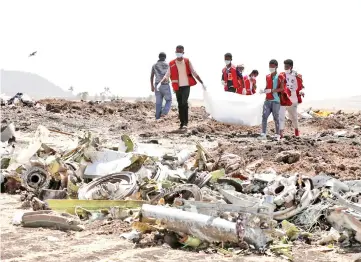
x=195, y=199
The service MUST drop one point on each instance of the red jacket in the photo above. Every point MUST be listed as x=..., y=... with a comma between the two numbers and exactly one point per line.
x=299, y=86
x=232, y=76
x=175, y=77
x=284, y=95
x=247, y=83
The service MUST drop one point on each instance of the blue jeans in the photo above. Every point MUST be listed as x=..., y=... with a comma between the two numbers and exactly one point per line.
x=164, y=92
x=271, y=107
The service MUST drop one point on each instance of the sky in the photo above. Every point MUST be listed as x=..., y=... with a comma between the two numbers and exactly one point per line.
x=91, y=44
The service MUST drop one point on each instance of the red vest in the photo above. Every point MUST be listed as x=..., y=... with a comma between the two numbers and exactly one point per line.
x=247, y=83
x=299, y=86
x=284, y=95
x=175, y=77
x=232, y=76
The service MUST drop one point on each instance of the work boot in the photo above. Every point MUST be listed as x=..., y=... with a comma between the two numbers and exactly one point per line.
x=297, y=132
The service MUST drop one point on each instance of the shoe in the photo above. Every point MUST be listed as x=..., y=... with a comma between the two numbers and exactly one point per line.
x=263, y=136
x=277, y=137
x=297, y=132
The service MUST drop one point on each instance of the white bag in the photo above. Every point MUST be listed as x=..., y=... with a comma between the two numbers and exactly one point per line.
x=233, y=108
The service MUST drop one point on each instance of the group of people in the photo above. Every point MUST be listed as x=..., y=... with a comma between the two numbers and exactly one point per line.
x=284, y=91
x=234, y=81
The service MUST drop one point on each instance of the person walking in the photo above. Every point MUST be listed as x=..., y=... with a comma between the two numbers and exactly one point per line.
x=182, y=75
x=294, y=93
x=274, y=86
x=159, y=70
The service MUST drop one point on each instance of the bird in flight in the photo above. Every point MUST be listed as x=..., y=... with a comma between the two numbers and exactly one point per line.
x=33, y=53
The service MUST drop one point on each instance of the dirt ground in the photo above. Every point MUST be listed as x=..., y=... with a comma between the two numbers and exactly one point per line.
x=322, y=150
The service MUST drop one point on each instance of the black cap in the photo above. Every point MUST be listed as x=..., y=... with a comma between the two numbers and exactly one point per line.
x=162, y=55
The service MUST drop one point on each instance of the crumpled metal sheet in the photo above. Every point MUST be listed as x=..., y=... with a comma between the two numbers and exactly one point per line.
x=8, y=133
x=187, y=189
x=341, y=218
x=354, y=185
x=306, y=198
x=110, y=187
x=240, y=199
x=323, y=180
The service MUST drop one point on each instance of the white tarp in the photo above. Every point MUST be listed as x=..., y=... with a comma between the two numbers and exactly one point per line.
x=232, y=108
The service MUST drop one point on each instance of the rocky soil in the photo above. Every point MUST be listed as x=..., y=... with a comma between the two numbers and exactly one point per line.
x=331, y=145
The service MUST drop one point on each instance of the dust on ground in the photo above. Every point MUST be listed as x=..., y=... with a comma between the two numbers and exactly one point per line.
x=321, y=148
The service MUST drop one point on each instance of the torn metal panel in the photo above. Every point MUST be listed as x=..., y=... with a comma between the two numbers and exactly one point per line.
x=8, y=133
x=323, y=180
x=240, y=199
x=340, y=218
x=106, y=162
x=52, y=220
x=202, y=226
x=340, y=200
x=354, y=185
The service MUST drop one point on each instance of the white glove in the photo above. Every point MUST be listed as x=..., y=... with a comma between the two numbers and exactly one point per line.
x=261, y=91
x=223, y=83
x=244, y=92
x=157, y=88
x=204, y=87
x=267, y=91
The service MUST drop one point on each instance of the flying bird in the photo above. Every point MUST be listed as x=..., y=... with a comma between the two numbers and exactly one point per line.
x=33, y=53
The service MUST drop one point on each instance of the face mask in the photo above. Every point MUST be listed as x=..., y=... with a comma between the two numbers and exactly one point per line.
x=272, y=70
x=227, y=62
x=179, y=55
x=253, y=77
x=288, y=71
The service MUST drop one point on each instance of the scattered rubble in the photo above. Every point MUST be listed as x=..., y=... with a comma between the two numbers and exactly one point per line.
x=227, y=199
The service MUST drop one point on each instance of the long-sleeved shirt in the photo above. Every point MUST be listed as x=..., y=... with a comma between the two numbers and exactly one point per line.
x=182, y=72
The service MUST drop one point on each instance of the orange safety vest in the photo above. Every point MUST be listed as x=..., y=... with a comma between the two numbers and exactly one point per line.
x=299, y=86
x=247, y=83
x=284, y=95
x=174, y=76
x=231, y=76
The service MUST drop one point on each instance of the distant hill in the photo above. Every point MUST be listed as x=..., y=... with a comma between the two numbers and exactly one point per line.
x=34, y=85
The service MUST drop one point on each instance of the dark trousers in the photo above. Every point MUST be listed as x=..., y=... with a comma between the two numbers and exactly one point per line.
x=231, y=89
x=182, y=98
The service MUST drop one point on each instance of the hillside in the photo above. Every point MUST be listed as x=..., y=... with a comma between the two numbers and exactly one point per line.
x=34, y=85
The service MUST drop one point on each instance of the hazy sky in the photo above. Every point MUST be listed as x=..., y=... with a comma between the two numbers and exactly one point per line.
x=91, y=44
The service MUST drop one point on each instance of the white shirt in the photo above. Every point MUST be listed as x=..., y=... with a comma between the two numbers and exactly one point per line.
x=292, y=86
